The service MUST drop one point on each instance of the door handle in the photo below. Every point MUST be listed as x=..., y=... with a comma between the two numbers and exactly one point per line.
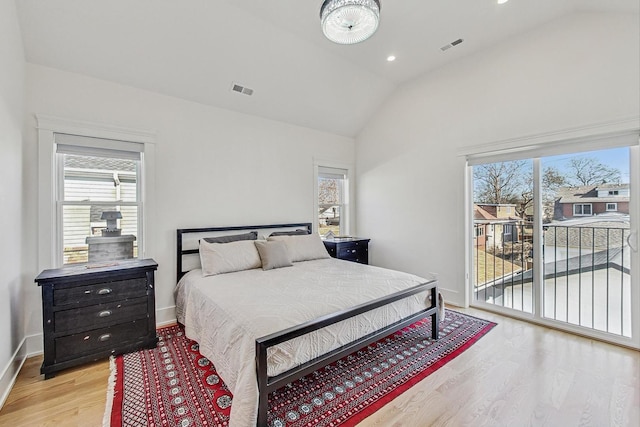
x=635, y=237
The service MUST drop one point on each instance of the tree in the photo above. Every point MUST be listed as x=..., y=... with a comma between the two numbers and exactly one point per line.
x=512, y=182
x=328, y=193
x=501, y=182
x=590, y=171
x=552, y=180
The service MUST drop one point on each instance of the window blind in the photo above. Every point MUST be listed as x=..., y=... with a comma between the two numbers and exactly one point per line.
x=331, y=173
x=100, y=147
x=568, y=146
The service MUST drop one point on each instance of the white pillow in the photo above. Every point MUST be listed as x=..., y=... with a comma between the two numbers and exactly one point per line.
x=303, y=247
x=218, y=258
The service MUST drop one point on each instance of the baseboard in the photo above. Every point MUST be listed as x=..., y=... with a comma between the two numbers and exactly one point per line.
x=10, y=372
x=452, y=297
x=166, y=316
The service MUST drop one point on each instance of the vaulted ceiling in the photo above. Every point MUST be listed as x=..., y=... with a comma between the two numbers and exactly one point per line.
x=197, y=49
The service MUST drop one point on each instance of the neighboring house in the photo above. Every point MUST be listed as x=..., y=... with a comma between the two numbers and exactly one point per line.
x=495, y=224
x=591, y=200
x=500, y=210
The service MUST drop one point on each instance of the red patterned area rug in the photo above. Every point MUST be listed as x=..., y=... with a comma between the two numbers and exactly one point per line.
x=174, y=385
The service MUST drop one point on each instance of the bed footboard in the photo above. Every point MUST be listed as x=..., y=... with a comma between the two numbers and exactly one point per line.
x=268, y=384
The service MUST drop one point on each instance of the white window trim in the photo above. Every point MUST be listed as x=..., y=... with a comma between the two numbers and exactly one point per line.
x=582, y=205
x=349, y=228
x=548, y=144
x=615, y=207
x=48, y=230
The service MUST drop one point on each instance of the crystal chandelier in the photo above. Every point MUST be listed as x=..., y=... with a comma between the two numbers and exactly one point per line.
x=349, y=21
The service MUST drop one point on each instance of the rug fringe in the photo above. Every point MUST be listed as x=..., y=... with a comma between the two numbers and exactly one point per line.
x=106, y=419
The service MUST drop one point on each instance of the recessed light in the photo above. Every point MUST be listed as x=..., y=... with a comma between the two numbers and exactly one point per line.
x=391, y=58
x=502, y=1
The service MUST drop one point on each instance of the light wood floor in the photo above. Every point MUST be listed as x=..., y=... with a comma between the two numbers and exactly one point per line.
x=518, y=374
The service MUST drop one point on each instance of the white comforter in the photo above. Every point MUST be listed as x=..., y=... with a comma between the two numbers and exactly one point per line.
x=227, y=312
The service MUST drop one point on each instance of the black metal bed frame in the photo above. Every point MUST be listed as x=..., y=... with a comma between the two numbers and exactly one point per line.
x=268, y=384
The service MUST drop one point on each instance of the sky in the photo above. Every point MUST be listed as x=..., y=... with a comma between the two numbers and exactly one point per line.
x=614, y=157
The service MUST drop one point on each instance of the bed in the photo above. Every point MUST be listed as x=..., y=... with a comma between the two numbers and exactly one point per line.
x=265, y=328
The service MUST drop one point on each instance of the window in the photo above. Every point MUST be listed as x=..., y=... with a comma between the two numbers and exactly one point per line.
x=332, y=200
x=582, y=209
x=612, y=207
x=479, y=231
x=102, y=140
x=564, y=266
x=98, y=198
x=613, y=193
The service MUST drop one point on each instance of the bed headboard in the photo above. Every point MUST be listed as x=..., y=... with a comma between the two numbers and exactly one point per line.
x=187, y=240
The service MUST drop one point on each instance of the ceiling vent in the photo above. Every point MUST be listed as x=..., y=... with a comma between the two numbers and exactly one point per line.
x=452, y=44
x=241, y=89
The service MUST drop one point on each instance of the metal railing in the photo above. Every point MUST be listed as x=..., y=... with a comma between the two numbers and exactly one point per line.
x=586, y=271
x=503, y=262
x=587, y=276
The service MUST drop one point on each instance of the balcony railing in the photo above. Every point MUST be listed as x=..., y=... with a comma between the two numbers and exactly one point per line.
x=586, y=271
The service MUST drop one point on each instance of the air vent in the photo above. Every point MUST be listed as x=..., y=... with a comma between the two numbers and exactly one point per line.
x=241, y=89
x=452, y=44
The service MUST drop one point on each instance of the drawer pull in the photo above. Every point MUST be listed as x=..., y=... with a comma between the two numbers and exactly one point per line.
x=87, y=337
x=105, y=313
x=105, y=337
x=104, y=291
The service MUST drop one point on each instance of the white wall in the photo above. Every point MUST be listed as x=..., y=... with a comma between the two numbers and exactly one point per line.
x=11, y=120
x=576, y=71
x=214, y=167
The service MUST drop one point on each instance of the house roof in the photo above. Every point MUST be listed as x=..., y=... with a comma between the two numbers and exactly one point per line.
x=612, y=187
x=589, y=194
x=481, y=214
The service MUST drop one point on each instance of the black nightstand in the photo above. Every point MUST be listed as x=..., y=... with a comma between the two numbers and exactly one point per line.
x=354, y=249
x=92, y=313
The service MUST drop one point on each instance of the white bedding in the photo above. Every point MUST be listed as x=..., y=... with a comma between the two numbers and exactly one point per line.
x=225, y=314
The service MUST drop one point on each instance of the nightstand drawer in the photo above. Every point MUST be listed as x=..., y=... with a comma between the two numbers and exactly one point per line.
x=100, y=315
x=101, y=292
x=71, y=346
x=349, y=253
x=354, y=249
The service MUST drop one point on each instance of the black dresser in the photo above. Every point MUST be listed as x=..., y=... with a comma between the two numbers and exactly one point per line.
x=354, y=249
x=92, y=313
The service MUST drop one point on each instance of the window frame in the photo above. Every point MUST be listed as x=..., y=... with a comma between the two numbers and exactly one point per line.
x=346, y=220
x=595, y=136
x=615, y=207
x=61, y=202
x=582, y=205
x=49, y=219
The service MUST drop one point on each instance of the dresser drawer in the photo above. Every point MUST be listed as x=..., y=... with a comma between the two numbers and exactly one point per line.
x=100, y=315
x=71, y=346
x=101, y=292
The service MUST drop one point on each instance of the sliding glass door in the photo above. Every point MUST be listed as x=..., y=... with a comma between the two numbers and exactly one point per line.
x=503, y=234
x=586, y=251
x=553, y=239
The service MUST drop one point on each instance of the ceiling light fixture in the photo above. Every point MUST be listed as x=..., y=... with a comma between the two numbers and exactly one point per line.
x=349, y=21
x=391, y=58
x=502, y=1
